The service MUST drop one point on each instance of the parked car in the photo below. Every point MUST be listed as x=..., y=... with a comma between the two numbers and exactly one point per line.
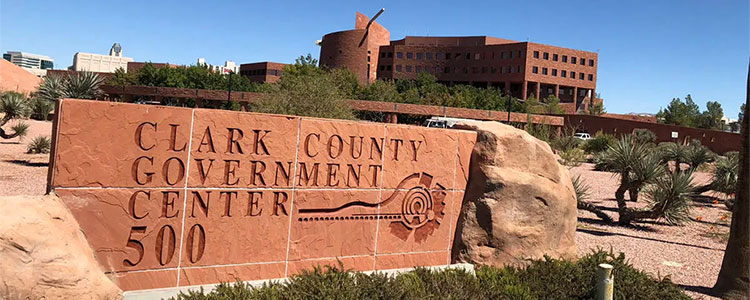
x=443, y=122
x=583, y=136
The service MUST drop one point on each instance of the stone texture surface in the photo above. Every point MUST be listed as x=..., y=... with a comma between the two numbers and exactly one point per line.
x=519, y=201
x=251, y=196
x=44, y=255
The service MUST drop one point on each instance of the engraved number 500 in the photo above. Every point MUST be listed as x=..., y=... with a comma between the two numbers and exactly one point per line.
x=164, y=247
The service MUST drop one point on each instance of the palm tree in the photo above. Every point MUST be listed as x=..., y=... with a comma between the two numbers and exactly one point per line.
x=734, y=277
x=13, y=106
x=80, y=85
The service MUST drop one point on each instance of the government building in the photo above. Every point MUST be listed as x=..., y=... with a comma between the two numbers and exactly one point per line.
x=522, y=69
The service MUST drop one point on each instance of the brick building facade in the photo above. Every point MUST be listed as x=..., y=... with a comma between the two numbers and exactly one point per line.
x=262, y=71
x=521, y=69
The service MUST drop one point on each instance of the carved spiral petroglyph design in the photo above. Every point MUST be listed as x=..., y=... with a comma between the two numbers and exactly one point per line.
x=416, y=208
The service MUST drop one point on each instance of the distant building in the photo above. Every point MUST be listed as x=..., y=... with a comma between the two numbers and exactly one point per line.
x=101, y=63
x=34, y=63
x=229, y=66
x=262, y=71
x=521, y=69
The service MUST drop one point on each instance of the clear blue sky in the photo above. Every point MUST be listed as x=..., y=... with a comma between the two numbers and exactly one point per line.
x=649, y=51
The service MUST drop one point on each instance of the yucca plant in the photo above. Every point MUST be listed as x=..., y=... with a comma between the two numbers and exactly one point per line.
x=39, y=145
x=80, y=85
x=672, y=152
x=637, y=164
x=670, y=198
x=13, y=106
x=697, y=155
x=40, y=108
x=583, y=191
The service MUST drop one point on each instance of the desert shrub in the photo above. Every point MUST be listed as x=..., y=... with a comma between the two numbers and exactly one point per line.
x=13, y=106
x=643, y=135
x=670, y=197
x=698, y=155
x=565, y=143
x=583, y=191
x=540, y=279
x=600, y=142
x=39, y=145
x=572, y=157
x=40, y=108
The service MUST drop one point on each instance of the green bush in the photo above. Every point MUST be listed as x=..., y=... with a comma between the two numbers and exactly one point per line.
x=572, y=157
x=644, y=136
x=39, y=145
x=40, y=108
x=599, y=143
x=540, y=279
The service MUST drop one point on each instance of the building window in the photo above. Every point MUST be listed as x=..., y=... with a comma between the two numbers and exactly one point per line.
x=554, y=72
x=573, y=60
x=591, y=62
x=466, y=70
x=382, y=68
x=447, y=56
x=418, y=69
x=382, y=54
x=544, y=71
x=546, y=55
x=484, y=70
x=409, y=55
x=420, y=55
x=457, y=55
x=554, y=57
x=591, y=77
x=518, y=69
x=519, y=54
x=446, y=70
x=502, y=55
x=563, y=73
x=510, y=69
x=583, y=61
x=388, y=67
x=580, y=76
x=536, y=54
x=493, y=70
x=390, y=54
x=572, y=74
x=477, y=56
x=398, y=67
x=565, y=58
x=535, y=70
x=468, y=55
x=429, y=56
x=399, y=55
x=368, y=58
x=408, y=68
x=510, y=54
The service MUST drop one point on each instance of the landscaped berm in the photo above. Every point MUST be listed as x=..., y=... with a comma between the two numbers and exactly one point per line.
x=148, y=201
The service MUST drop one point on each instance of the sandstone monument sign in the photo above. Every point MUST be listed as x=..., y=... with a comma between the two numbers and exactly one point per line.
x=171, y=197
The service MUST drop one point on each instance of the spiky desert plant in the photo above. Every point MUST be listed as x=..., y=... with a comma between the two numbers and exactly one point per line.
x=724, y=174
x=13, y=106
x=52, y=88
x=697, y=155
x=83, y=85
x=583, y=192
x=672, y=152
x=637, y=166
x=670, y=198
x=40, y=108
x=39, y=145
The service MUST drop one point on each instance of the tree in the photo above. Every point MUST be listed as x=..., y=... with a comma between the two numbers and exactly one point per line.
x=711, y=118
x=304, y=91
x=680, y=113
x=733, y=281
x=596, y=109
x=13, y=106
x=741, y=115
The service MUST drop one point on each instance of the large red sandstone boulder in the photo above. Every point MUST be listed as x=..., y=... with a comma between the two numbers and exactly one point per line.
x=44, y=255
x=519, y=202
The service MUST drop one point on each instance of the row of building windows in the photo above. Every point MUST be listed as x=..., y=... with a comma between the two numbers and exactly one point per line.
x=447, y=70
x=563, y=73
x=449, y=56
x=556, y=57
x=261, y=72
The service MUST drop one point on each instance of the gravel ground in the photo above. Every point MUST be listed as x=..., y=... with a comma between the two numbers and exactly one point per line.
x=690, y=254
x=21, y=173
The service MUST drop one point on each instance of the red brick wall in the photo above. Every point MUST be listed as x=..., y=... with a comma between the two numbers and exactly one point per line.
x=718, y=141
